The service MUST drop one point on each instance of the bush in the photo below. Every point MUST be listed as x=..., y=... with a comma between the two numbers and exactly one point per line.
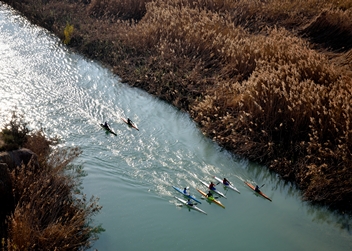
x=14, y=135
x=50, y=212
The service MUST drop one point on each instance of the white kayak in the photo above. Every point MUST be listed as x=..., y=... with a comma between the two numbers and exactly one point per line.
x=215, y=191
x=227, y=185
x=194, y=207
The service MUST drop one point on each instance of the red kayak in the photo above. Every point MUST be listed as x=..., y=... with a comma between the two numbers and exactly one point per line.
x=133, y=125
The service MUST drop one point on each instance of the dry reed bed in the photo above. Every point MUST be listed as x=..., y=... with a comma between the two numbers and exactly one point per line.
x=49, y=212
x=267, y=97
x=243, y=72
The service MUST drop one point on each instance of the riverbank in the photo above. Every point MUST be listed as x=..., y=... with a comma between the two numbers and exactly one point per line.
x=244, y=71
x=42, y=207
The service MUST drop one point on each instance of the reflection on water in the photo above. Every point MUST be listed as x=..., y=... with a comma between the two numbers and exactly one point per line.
x=133, y=173
x=323, y=216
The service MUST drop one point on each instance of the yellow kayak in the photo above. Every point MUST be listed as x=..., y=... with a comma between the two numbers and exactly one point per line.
x=211, y=198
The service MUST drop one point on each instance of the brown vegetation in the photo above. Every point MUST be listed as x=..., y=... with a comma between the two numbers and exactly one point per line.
x=47, y=211
x=268, y=79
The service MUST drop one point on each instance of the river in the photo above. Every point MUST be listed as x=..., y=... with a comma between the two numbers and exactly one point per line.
x=133, y=173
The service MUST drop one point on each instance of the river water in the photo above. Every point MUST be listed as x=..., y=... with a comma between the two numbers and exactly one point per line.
x=133, y=173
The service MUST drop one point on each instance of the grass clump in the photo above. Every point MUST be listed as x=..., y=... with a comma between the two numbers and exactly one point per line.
x=49, y=212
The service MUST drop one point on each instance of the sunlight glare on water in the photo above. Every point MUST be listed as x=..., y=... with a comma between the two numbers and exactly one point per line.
x=133, y=173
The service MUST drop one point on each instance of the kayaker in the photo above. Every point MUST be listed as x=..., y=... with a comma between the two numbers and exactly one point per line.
x=189, y=202
x=185, y=191
x=210, y=195
x=129, y=121
x=212, y=186
x=257, y=189
x=106, y=124
x=226, y=182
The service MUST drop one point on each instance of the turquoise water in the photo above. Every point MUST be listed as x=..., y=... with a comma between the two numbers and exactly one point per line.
x=133, y=173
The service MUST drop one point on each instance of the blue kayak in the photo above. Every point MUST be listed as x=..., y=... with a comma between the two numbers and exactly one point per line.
x=186, y=195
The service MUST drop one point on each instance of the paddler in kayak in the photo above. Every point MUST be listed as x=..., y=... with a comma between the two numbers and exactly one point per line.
x=212, y=186
x=210, y=195
x=226, y=182
x=185, y=191
x=129, y=122
x=257, y=189
x=106, y=125
x=189, y=203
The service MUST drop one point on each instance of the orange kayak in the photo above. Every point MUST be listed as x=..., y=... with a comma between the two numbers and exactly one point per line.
x=253, y=188
x=133, y=125
x=211, y=199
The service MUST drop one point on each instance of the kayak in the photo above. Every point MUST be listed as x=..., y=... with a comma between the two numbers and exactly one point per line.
x=211, y=199
x=133, y=125
x=108, y=129
x=189, y=206
x=186, y=195
x=228, y=186
x=253, y=188
x=215, y=191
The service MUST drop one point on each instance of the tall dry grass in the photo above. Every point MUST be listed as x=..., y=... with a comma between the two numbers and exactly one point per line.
x=261, y=92
x=117, y=9
x=269, y=80
x=49, y=211
x=48, y=214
